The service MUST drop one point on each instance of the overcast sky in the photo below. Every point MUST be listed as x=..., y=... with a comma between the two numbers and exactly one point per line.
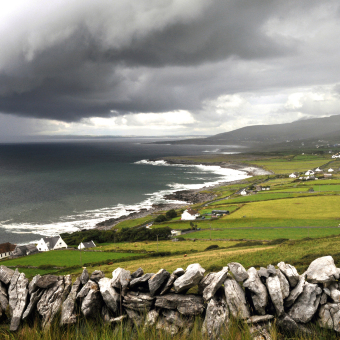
x=165, y=67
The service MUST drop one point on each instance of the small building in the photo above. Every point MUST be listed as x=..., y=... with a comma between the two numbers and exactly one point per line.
x=327, y=175
x=190, y=214
x=6, y=249
x=292, y=175
x=176, y=232
x=51, y=243
x=337, y=155
x=330, y=170
x=309, y=172
x=24, y=250
x=86, y=245
x=318, y=170
x=220, y=212
x=244, y=192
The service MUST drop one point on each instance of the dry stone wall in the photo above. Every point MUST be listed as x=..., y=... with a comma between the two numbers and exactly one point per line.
x=161, y=300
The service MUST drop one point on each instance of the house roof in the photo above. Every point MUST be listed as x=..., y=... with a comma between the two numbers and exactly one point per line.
x=192, y=211
x=6, y=247
x=88, y=244
x=51, y=241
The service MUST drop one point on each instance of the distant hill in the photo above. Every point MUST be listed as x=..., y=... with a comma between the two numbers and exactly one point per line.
x=260, y=135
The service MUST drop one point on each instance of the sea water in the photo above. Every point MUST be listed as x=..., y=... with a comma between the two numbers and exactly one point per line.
x=48, y=188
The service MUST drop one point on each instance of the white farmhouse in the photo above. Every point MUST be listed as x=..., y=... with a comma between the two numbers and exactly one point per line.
x=85, y=245
x=243, y=192
x=337, y=155
x=318, y=170
x=189, y=214
x=292, y=175
x=51, y=243
x=330, y=170
x=309, y=172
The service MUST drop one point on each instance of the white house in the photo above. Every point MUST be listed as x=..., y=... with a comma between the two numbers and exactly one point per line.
x=176, y=232
x=337, y=155
x=330, y=170
x=6, y=249
x=292, y=175
x=244, y=192
x=309, y=172
x=85, y=245
x=190, y=214
x=318, y=170
x=51, y=243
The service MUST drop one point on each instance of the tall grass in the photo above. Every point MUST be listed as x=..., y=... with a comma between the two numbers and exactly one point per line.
x=127, y=330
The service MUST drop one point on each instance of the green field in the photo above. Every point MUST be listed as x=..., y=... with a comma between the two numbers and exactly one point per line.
x=64, y=258
x=264, y=234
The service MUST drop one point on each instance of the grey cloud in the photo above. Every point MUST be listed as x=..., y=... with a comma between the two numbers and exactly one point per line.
x=160, y=57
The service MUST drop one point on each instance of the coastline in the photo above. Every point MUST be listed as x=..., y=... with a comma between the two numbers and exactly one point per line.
x=189, y=196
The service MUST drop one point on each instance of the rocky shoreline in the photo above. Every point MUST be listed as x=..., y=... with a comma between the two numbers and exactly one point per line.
x=192, y=196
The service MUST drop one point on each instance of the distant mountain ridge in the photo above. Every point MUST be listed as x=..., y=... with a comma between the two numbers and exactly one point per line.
x=272, y=134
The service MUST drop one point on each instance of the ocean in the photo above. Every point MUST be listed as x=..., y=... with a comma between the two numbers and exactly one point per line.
x=48, y=188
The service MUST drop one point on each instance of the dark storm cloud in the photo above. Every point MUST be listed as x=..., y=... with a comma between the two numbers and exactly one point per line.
x=81, y=59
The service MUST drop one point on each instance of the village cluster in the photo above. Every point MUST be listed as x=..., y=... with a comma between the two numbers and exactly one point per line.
x=9, y=250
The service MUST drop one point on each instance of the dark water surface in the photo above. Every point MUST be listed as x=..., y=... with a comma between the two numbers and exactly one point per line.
x=48, y=188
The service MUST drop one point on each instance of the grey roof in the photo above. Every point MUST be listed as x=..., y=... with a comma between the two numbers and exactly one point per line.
x=24, y=250
x=88, y=244
x=51, y=241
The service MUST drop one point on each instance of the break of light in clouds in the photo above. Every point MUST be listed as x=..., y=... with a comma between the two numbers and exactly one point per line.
x=155, y=67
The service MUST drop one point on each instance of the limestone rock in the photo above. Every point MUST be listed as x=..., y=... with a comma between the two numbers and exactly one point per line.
x=106, y=314
x=322, y=270
x=3, y=297
x=329, y=316
x=118, y=319
x=216, y=317
x=274, y=289
x=258, y=291
x=295, y=293
x=271, y=270
x=97, y=275
x=178, y=272
x=307, y=303
x=288, y=325
x=109, y=294
x=140, y=302
x=259, y=318
x=46, y=281
x=68, y=315
x=51, y=301
x=163, y=325
x=283, y=283
x=6, y=274
x=17, y=298
x=151, y=318
x=135, y=317
x=141, y=281
x=290, y=272
x=121, y=279
x=238, y=271
x=169, y=284
x=93, y=301
x=205, y=282
x=173, y=317
x=138, y=273
x=236, y=299
x=263, y=272
x=193, y=275
x=34, y=298
x=334, y=292
x=85, y=290
x=186, y=304
x=157, y=281
x=215, y=284
x=32, y=286
x=323, y=299
x=84, y=277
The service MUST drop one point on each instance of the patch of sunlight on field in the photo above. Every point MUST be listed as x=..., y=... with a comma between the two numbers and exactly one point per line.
x=321, y=207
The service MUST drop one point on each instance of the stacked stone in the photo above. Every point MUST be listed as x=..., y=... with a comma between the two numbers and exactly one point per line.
x=161, y=300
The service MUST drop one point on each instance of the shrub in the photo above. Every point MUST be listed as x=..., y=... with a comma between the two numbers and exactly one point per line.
x=160, y=218
x=213, y=246
x=171, y=214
